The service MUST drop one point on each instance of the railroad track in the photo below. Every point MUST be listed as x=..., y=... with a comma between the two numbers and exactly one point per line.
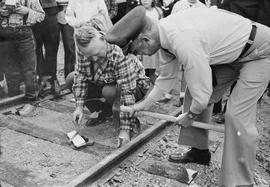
x=36, y=152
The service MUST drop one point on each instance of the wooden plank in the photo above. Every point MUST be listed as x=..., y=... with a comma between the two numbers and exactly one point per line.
x=52, y=136
x=11, y=101
x=7, y=102
x=59, y=107
x=91, y=175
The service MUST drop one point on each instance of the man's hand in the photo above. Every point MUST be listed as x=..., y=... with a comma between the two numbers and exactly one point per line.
x=77, y=115
x=184, y=120
x=23, y=10
x=137, y=107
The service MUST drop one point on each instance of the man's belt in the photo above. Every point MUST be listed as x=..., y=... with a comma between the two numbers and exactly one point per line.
x=250, y=40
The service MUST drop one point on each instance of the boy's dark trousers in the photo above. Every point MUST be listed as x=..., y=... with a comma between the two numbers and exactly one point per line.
x=95, y=91
x=69, y=46
x=47, y=33
x=19, y=58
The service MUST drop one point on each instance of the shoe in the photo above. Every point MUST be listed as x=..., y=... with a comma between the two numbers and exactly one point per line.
x=102, y=117
x=55, y=88
x=192, y=156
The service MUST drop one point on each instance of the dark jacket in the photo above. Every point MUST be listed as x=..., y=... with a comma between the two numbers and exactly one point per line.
x=48, y=3
x=50, y=7
x=256, y=10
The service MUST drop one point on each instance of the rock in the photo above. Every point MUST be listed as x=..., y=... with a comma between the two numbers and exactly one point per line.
x=165, y=139
x=53, y=175
x=168, y=170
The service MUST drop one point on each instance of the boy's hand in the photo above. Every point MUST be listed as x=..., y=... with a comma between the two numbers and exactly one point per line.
x=77, y=115
x=23, y=10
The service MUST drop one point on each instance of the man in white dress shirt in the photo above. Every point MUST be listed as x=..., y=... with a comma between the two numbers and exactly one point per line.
x=207, y=41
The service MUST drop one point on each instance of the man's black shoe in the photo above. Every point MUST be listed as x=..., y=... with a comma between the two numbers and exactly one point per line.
x=194, y=155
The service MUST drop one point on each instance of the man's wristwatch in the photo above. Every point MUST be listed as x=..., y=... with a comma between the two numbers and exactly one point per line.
x=192, y=115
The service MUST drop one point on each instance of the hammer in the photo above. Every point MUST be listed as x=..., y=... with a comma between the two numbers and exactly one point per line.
x=170, y=118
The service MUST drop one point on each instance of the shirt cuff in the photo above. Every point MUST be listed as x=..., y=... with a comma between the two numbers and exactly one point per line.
x=195, y=108
x=156, y=93
x=79, y=102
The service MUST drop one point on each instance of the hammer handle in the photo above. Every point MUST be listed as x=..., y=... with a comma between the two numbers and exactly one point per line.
x=170, y=118
x=174, y=119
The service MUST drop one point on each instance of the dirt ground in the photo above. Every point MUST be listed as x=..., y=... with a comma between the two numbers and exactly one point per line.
x=131, y=174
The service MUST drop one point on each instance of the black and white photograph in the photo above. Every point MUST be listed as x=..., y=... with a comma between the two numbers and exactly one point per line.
x=134, y=93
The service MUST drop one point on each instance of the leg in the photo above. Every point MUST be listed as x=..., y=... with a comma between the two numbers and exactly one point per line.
x=51, y=43
x=39, y=32
x=198, y=138
x=26, y=50
x=187, y=135
x=11, y=67
x=240, y=124
x=217, y=107
x=69, y=80
x=69, y=47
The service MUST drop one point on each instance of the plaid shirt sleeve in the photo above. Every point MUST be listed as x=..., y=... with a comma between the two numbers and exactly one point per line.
x=36, y=13
x=82, y=74
x=127, y=74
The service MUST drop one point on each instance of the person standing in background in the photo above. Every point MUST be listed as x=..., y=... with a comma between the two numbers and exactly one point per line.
x=81, y=11
x=151, y=63
x=185, y=4
x=67, y=37
x=112, y=8
x=16, y=17
x=124, y=6
x=47, y=34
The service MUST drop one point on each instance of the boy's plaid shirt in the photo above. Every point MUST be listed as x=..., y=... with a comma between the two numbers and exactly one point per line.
x=126, y=69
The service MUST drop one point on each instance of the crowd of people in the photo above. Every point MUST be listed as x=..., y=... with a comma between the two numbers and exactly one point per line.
x=216, y=45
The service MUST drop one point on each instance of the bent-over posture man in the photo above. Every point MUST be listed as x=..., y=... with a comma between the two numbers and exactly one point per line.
x=236, y=49
x=100, y=66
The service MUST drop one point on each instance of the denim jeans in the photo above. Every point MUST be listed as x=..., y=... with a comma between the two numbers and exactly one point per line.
x=18, y=48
